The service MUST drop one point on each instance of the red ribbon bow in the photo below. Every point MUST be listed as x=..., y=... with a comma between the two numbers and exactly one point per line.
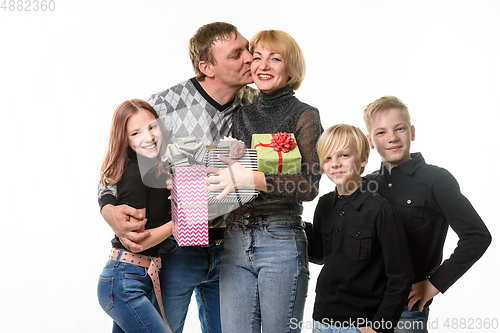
x=281, y=142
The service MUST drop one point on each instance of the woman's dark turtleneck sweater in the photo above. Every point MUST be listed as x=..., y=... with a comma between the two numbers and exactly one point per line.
x=281, y=111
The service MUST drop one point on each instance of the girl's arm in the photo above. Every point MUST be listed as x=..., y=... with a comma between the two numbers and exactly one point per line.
x=157, y=235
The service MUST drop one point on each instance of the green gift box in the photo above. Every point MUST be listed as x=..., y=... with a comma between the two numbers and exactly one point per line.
x=277, y=151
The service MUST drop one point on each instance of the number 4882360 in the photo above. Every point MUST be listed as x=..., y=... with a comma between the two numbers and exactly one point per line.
x=28, y=5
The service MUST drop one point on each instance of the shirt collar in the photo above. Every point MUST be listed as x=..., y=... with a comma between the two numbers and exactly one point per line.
x=357, y=197
x=409, y=167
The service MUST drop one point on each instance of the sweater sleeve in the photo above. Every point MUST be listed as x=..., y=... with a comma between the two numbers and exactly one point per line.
x=106, y=195
x=474, y=237
x=302, y=186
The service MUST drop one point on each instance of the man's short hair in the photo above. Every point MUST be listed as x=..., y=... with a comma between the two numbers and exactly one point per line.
x=200, y=45
x=281, y=42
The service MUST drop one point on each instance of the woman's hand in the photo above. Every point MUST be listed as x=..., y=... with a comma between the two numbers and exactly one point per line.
x=235, y=176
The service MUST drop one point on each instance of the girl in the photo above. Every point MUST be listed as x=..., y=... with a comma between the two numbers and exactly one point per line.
x=132, y=161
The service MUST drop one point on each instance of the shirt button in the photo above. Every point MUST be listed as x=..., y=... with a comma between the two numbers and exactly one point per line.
x=358, y=233
x=245, y=222
x=247, y=214
x=337, y=230
x=342, y=213
x=389, y=185
x=408, y=202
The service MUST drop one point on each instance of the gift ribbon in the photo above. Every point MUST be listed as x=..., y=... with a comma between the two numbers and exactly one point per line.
x=280, y=155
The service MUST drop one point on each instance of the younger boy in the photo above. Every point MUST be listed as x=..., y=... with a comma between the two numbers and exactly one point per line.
x=428, y=200
x=367, y=274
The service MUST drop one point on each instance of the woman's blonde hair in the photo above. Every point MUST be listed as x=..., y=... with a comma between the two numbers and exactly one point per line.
x=282, y=43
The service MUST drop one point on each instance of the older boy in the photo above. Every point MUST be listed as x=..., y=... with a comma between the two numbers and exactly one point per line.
x=357, y=235
x=428, y=200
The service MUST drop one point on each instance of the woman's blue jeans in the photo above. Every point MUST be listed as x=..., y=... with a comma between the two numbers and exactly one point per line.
x=125, y=292
x=264, y=275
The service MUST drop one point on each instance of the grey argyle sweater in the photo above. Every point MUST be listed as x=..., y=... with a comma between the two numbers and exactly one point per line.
x=187, y=110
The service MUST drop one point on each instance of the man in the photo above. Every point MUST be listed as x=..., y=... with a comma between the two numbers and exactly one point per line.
x=200, y=107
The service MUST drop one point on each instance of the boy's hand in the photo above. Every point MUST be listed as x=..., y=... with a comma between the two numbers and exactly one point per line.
x=127, y=223
x=421, y=291
x=366, y=330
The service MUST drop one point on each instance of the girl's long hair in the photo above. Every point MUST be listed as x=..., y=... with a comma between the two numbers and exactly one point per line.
x=116, y=159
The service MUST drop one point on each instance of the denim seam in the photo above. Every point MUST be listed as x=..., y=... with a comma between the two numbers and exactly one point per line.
x=130, y=305
x=205, y=312
x=255, y=303
x=293, y=299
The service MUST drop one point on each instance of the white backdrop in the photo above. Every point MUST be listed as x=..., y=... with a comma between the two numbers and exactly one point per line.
x=63, y=72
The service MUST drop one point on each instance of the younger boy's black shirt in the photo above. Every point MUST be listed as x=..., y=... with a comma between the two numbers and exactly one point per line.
x=367, y=272
x=428, y=200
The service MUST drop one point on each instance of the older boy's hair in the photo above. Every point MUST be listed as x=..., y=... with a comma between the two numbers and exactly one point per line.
x=281, y=42
x=382, y=104
x=200, y=45
x=339, y=137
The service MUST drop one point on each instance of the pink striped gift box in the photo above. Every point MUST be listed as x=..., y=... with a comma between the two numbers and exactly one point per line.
x=189, y=205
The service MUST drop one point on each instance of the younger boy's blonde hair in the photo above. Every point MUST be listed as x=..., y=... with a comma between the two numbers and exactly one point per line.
x=339, y=137
x=382, y=104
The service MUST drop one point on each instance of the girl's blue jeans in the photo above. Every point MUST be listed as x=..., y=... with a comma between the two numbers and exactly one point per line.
x=264, y=275
x=125, y=292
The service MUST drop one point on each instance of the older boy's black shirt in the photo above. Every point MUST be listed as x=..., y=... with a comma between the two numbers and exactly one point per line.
x=428, y=200
x=367, y=272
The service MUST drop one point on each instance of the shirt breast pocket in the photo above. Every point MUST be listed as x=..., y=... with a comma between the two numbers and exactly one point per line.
x=411, y=210
x=358, y=243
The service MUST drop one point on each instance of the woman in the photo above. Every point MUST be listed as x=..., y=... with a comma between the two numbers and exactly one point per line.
x=132, y=161
x=264, y=272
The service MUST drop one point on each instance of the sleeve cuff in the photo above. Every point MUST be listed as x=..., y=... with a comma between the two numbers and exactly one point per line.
x=107, y=199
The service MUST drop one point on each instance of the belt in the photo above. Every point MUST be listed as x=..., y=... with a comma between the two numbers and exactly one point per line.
x=215, y=236
x=153, y=264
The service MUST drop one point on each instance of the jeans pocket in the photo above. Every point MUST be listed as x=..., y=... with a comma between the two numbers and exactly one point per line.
x=169, y=245
x=133, y=271
x=105, y=293
x=280, y=231
x=358, y=243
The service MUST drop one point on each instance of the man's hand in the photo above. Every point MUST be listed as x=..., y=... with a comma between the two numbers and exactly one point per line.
x=228, y=179
x=421, y=291
x=127, y=223
x=366, y=330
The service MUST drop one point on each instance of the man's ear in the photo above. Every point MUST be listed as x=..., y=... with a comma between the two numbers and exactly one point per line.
x=412, y=133
x=370, y=141
x=206, y=68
